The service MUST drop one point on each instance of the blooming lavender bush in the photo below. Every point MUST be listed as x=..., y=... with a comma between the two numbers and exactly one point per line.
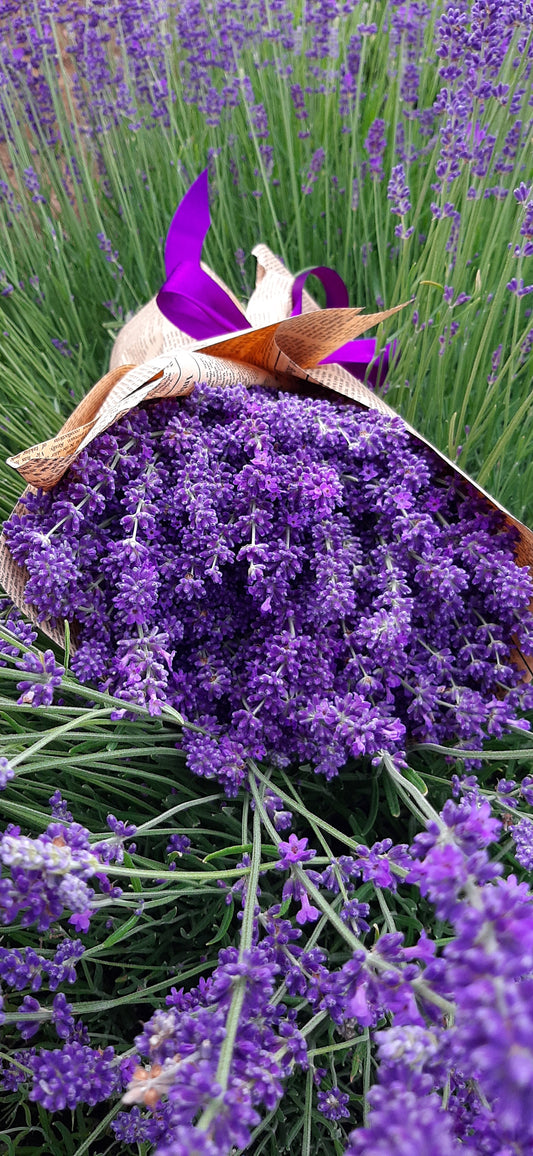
x=387, y=140
x=338, y=981
x=292, y=575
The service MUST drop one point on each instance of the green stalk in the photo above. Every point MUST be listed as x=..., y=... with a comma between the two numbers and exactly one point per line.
x=411, y=794
x=239, y=990
x=58, y=732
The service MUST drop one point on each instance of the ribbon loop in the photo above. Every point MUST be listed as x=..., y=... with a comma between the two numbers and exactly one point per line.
x=336, y=291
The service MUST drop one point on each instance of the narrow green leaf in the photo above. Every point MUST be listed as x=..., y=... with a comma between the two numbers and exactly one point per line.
x=121, y=932
x=228, y=915
x=415, y=779
x=134, y=879
x=391, y=796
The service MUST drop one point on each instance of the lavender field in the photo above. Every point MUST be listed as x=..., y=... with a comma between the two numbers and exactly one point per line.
x=266, y=771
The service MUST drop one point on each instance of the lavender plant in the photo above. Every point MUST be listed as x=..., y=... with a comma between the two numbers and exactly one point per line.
x=109, y=112
x=338, y=983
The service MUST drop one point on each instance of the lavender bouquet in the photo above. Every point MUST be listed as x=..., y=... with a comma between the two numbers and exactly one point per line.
x=291, y=575
x=297, y=586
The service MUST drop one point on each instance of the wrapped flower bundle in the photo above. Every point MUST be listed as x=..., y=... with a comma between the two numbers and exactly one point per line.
x=292, y=575
x=294, y=582
x=302, y=580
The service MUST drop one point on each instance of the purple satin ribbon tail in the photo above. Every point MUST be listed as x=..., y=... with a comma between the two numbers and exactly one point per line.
x=189, y=226
x=359, y=358
x=190, y=298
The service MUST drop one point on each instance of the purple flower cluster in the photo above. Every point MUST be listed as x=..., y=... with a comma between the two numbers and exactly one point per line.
x=41, y=880
x=292, y=575
x=104, y=95
x=46, y=675
x=472, y=45
x=211, y=45
x=43, y=877
x=43, y=673
x=75, y=1074
x=24, y=967
x=398, y=195
x=182, y=1047
x=375, y=145
x=482, y=1056
x=455, y=1023
x=68, y=1076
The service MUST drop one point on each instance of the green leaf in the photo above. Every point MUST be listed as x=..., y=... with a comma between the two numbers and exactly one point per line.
x=66, y=629
x=391, y=796
x=134, y=879
x=121, y=932
x=415, y=779
x=228, y=915
x=241, y=850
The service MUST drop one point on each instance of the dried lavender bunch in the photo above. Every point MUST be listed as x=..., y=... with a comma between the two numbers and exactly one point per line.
x=292, y=575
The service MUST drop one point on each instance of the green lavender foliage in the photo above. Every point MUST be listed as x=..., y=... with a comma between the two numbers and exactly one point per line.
x=168, y=926
x=127, y=178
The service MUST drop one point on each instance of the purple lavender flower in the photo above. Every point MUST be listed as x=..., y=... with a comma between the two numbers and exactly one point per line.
x=74, y=1075
x=31, y=180
x=375, y=145
x=28, y=1027
x=112, y=850
x=183, y=1045
x=518, y=287
x=179, y=844
x=111, y=254
x=294, y=851
x=62, y=346
x=522, y=833
x=39, y=691
x=317, y=161
x=274, y=808
x=62, y=1017
x=20, y=968
x=60, y=811
x=403, y=1123
x=333, y=1104
x=398, y=192
x=303, y=603
x=6, y=772
x=6, y=288
x=523, y=193
x=46, y=875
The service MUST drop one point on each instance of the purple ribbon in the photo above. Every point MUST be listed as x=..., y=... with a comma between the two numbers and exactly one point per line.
x=189, y=297
x=336, y=291
x=362, y=361
x=192, y=301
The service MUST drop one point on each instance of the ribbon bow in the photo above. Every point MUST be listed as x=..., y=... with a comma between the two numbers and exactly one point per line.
x=197, y=305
